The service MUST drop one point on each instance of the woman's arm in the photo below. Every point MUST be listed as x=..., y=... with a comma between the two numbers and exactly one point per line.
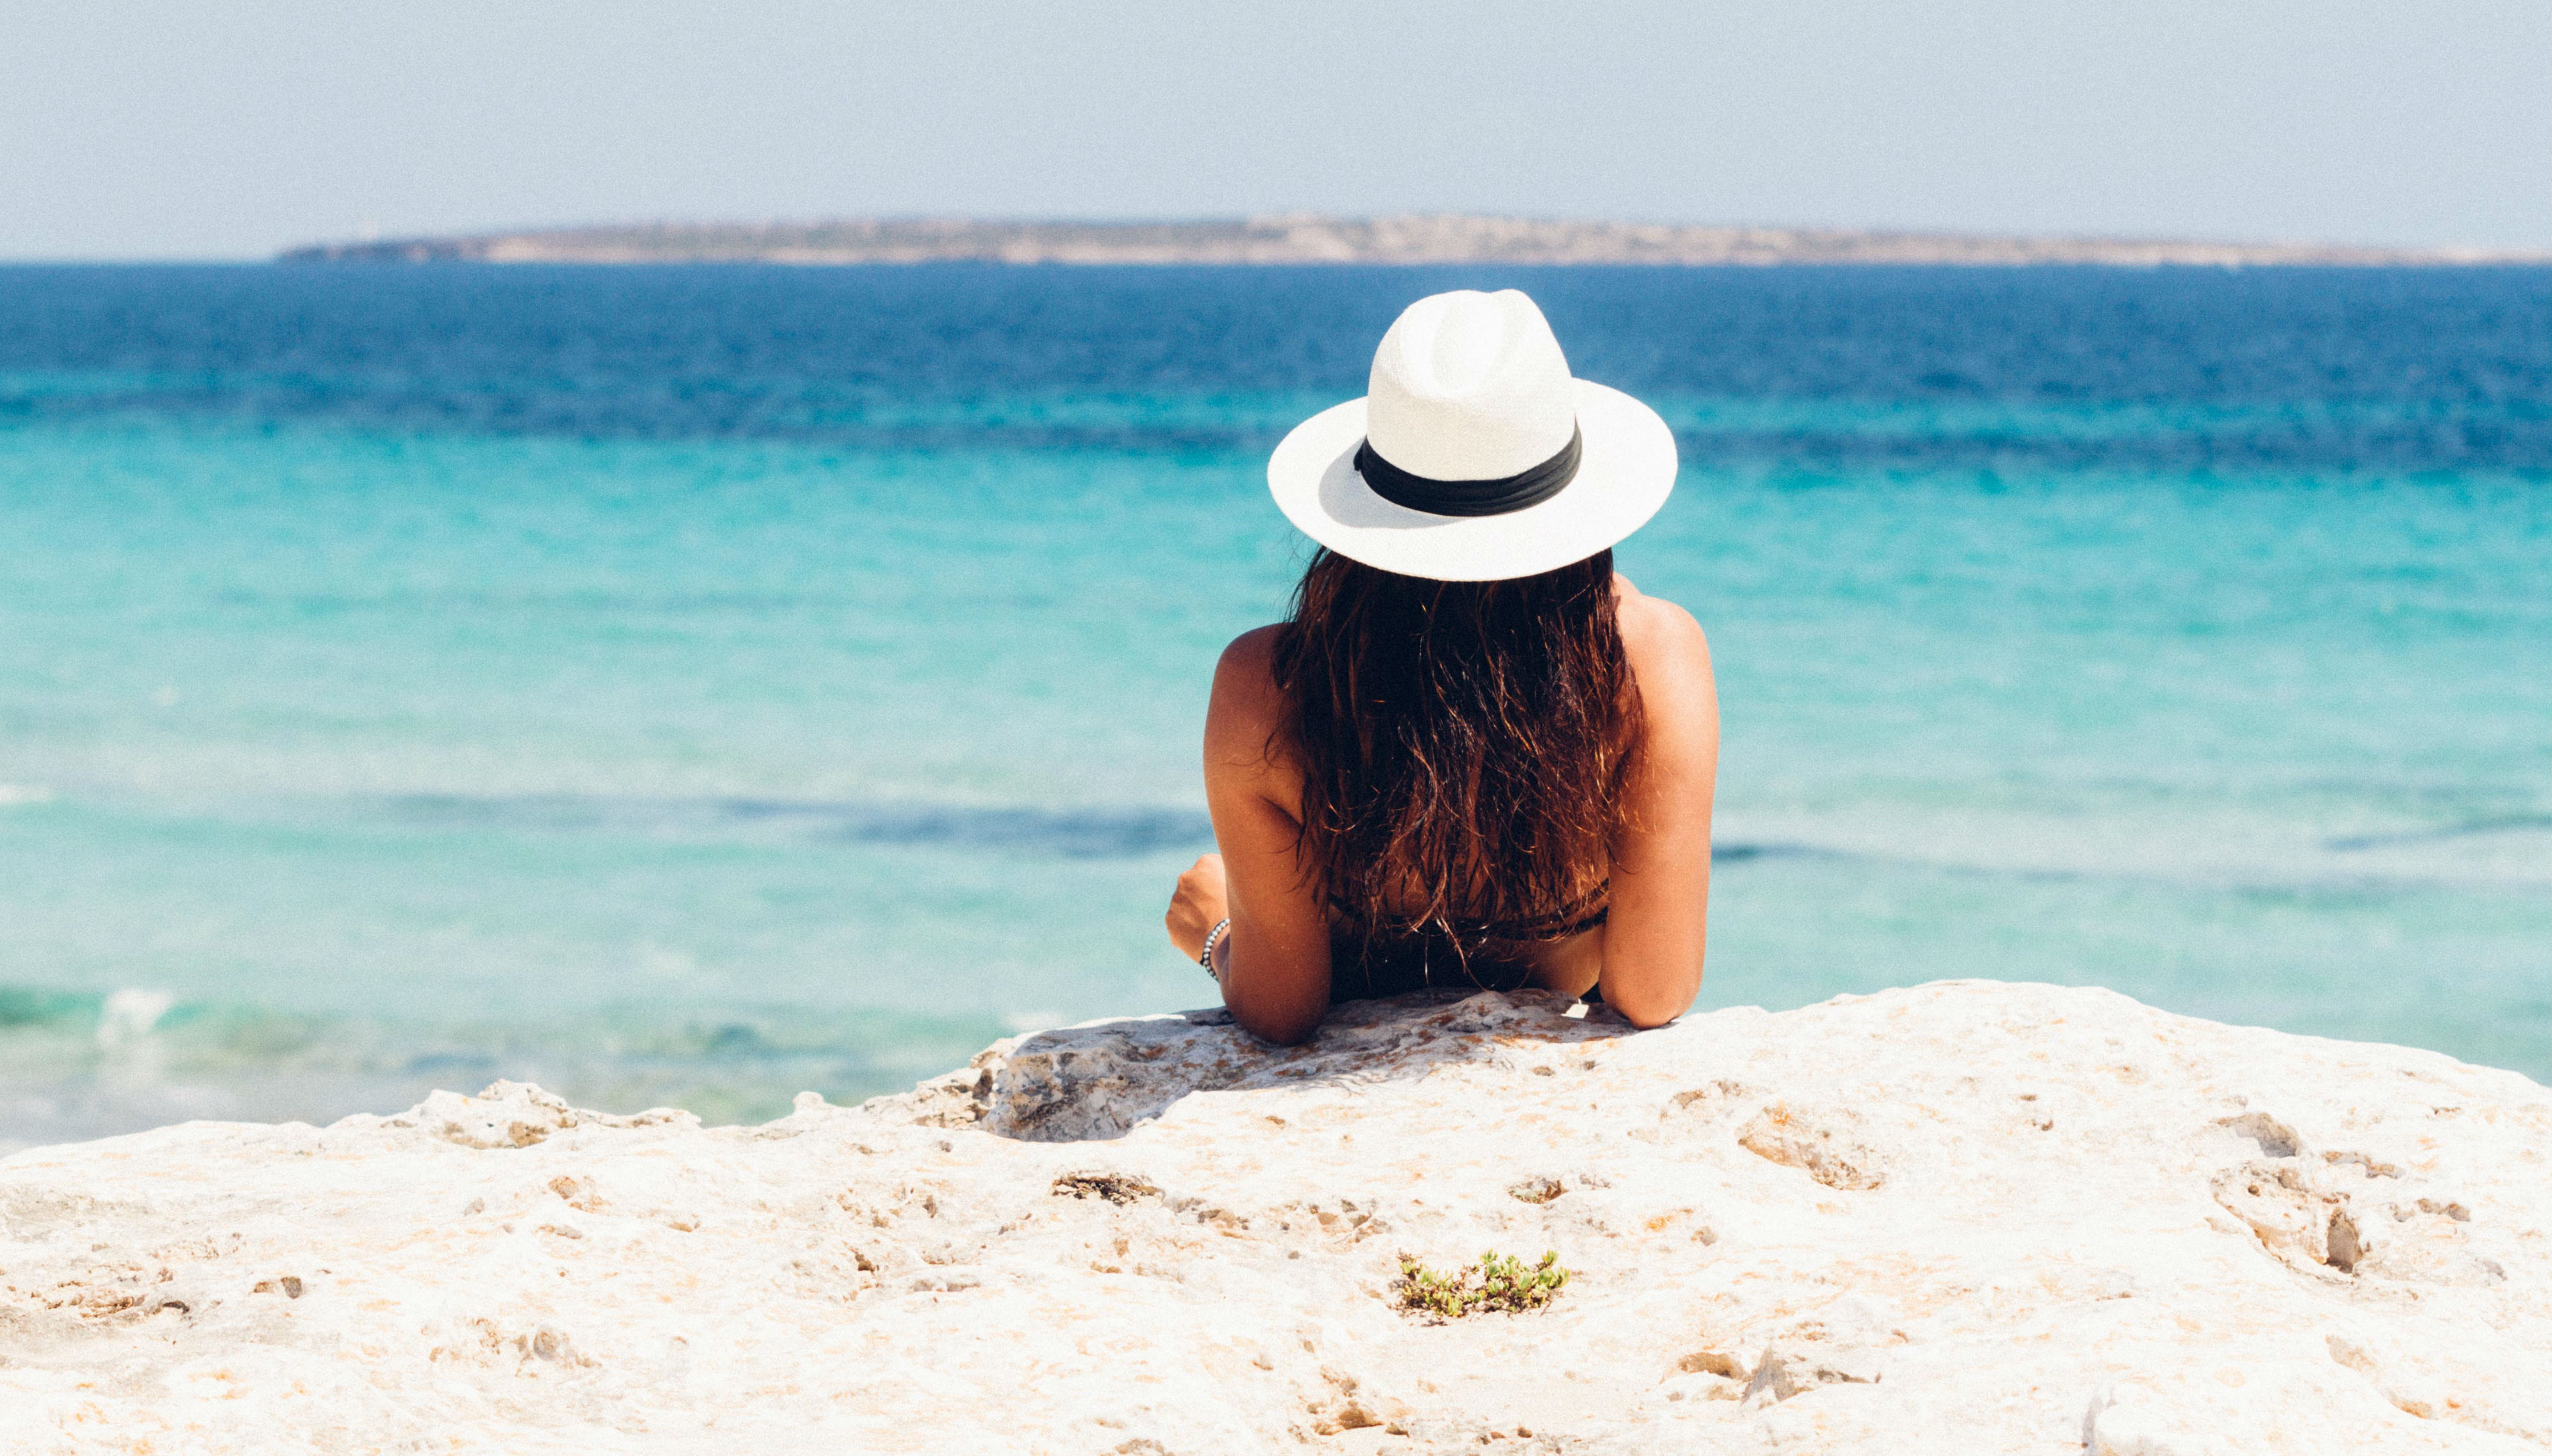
x=1274, y=962
x=1657, y=930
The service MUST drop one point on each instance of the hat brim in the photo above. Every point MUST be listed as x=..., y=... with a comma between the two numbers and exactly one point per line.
x=1625, y=471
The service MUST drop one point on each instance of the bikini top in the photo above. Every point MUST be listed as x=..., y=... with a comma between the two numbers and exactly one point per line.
x=1570, y=921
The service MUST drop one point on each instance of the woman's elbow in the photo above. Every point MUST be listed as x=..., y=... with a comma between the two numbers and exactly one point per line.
x=1284, y=1029
x=1650, y=1007
x=1648, y=1016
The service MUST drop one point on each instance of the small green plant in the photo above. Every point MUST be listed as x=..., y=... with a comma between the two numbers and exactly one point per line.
x=1498, y=1283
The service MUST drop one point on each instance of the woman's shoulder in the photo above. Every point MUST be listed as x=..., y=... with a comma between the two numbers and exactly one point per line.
x=1669, y=653
x=1248, y=710
x=1246, y=672
x=1656, y=631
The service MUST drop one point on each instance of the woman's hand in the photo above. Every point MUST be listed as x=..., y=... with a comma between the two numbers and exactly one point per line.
x=1194, y=907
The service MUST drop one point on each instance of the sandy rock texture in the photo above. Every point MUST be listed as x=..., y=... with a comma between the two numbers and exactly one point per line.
x=1962, y=1217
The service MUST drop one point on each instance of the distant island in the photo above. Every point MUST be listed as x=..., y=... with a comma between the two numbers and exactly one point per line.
x=1309, y=239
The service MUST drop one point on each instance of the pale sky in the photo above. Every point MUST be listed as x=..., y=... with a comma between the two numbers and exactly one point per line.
x=229, y=130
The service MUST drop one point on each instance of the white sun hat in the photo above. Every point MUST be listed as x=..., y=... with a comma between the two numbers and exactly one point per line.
x=1474, y=454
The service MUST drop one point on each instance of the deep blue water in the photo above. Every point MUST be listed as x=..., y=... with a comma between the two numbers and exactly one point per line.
x=700, y=683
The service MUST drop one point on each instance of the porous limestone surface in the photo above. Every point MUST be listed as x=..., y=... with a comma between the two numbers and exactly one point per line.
x=1962, y=1218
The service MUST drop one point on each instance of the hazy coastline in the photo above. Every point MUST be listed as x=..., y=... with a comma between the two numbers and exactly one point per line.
x=1299, y=238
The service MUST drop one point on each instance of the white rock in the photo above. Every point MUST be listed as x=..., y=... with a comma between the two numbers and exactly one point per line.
x=1962, y=1218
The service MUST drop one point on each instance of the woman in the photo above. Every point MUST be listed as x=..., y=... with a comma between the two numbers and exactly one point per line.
x=1473, y=756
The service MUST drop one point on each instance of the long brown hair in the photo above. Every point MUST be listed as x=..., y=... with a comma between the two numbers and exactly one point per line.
x=1462, y=744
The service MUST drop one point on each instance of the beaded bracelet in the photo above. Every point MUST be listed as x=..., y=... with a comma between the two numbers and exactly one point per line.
x=1206, y=958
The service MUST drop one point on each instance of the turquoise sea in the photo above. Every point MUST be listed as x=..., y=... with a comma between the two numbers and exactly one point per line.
x=695, y=685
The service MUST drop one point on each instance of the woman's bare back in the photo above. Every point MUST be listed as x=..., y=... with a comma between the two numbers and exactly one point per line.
x=1648, y=953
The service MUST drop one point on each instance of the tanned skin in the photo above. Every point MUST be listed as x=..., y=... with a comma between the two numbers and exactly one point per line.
x=1274, y=962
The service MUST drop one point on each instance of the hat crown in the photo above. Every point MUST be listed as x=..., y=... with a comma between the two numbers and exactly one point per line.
x=1470, y=387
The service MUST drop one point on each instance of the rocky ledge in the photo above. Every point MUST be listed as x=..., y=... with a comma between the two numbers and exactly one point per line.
x=1962, y=1217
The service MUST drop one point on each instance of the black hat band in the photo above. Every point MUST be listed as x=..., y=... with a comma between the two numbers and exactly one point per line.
x=1470, y=497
